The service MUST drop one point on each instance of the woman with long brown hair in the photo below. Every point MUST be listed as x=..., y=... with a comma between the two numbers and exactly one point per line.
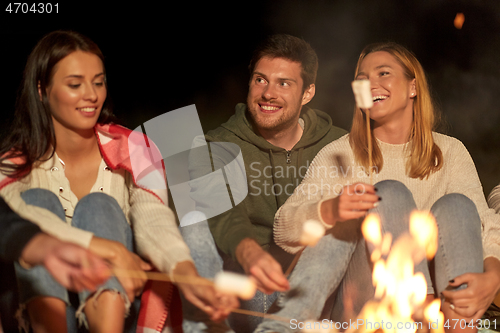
x=67, y=167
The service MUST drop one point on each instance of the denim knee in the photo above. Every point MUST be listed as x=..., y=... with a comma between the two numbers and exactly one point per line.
x=461, y=210
x=392, y=192
x=45, y=199
x=101, y=214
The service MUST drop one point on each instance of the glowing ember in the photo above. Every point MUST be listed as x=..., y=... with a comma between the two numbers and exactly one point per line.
x=459, y=20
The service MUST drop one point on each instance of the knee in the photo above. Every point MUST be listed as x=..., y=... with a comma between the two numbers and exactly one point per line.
x=40, y=197
x=98, y=202
x=45, y=199
x=459, y=210
x=392, y=192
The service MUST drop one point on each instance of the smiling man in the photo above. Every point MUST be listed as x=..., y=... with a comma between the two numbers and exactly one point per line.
x=278, y=137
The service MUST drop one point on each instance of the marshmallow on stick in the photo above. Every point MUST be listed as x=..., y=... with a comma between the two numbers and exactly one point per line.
x=312, y=231
x=362, y=93
x=235, y=284
x=364, y=100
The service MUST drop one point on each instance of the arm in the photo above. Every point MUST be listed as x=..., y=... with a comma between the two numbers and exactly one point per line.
x=159, y=241
x=42, y=217
x=72, y=266
x=226, y=207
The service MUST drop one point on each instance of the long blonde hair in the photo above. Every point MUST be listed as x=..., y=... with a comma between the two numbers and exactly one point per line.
x=425, y=156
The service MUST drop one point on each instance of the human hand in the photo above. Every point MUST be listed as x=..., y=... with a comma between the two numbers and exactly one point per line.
x=202, y=294
x=119, y=257
x=261, y=266
x=353, y=203
x=72, y=266
x=473, y=301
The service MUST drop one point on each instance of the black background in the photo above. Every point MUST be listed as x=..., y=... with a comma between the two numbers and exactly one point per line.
x=160, y=57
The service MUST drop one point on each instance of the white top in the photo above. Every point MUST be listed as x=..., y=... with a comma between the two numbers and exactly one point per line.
x=335, y=167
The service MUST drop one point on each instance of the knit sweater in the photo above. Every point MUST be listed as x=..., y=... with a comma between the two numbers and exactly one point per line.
x=156, y=234
x=494, y=199
x=335, y=167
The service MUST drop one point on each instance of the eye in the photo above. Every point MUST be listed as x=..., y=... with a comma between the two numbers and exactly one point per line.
x=384, y=73
x=74, y=86
x=285, y=84
x=260, y=80
x=99, y=84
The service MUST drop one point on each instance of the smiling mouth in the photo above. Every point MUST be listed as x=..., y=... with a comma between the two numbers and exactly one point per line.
x=89, y=110
x=269, y=108
x=379, y=98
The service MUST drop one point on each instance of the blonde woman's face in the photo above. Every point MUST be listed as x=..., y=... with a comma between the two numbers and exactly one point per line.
x=392, y=92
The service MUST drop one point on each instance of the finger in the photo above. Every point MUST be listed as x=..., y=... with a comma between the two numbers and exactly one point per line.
x=455, y=295
x=268, y=285
x=461, y=279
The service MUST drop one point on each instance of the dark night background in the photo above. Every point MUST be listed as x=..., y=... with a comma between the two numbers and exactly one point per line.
x=160, y=57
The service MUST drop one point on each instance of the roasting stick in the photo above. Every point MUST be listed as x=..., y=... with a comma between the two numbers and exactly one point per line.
x=364, y=101
x=312, y=231
x=225, y=278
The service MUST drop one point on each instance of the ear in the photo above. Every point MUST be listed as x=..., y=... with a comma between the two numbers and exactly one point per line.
x=308, y=94
x=413, y=88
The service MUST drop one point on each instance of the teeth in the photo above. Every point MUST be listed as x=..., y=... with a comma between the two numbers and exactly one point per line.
x=270, y=108
x=379, y=97
x=87, y=109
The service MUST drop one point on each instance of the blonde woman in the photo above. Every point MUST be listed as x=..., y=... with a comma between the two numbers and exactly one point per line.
x=414, y=168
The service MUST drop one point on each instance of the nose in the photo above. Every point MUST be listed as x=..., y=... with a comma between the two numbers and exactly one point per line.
x=269, y=92
x=90, y=93
x=373, y=82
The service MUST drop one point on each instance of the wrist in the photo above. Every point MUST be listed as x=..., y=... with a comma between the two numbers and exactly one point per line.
x=247, y=248
x=36, y=250
x=327, y=211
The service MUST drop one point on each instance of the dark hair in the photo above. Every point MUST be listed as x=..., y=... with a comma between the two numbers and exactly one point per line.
x=291, y=48
x=32, y=133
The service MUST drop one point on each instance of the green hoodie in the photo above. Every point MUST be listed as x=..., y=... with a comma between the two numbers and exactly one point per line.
x=272, y=175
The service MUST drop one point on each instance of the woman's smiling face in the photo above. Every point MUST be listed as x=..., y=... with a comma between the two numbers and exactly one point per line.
x=392, y=91
x=77, y=91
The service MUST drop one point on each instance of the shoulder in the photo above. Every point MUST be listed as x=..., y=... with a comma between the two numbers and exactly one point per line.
x=449, y=144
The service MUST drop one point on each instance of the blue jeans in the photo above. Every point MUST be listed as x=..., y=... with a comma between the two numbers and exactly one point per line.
x=339, y=269
x=97, y=213
x=209, y=261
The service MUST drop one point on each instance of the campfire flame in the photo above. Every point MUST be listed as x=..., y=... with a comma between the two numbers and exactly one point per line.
x=399, y=292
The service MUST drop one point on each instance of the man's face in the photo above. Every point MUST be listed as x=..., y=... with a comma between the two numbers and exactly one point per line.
x=275, y=95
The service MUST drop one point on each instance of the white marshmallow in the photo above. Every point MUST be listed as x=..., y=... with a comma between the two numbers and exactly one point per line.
x=362, y=93
x=235, y=284
x=312, y=231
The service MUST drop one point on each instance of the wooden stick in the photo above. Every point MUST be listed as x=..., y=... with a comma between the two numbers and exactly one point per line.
x=260, y=314
x=369, y=137
x=191, y=280
x=161, y=277
x=293, y=263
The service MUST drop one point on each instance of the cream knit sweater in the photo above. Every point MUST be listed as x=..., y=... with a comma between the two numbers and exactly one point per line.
x=334, y=167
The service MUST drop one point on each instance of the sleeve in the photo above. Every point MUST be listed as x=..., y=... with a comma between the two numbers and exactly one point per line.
x=15, y=232
x=45, y=219
x=156, y=233
x=494, y=199
x=466, y=181
x=219, y=189
x=319, y=184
